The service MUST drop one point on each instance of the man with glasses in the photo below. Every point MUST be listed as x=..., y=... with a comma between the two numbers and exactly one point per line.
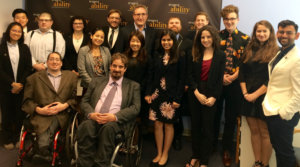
x=282, y=101
x=44, y=41
x=47, y=96
x=233, y=43
x=140, y=16
x=113, y=35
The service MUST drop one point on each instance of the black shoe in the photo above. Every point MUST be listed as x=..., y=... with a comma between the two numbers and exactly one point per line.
x=177, y=144
x=38, y=158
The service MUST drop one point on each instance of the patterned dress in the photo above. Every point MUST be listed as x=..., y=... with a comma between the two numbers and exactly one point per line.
x=161, y=107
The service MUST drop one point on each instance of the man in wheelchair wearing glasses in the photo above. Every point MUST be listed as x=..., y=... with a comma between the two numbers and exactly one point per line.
x=48, y=95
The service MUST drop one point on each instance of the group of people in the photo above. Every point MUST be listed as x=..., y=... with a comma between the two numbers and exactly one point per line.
x=135, y=71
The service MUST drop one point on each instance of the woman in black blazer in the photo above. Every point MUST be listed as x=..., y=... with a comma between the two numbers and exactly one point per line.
x=77, y=39
x=15, y=66
x=164, y=92
x=205, y=72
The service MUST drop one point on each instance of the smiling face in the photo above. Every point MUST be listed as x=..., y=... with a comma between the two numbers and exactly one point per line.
x=206, y=39
x=140, y=16
x=200, y=21
x=21, y=18
x=231, y=21
x=262, y=33
x=15, y=33
x=114, y=20
x=54, y=62
x=174, y=24
x=167, y=42
x=97, y=38
x=135, y=44
x=117, y=69
x=78, y=25
x=287, y=35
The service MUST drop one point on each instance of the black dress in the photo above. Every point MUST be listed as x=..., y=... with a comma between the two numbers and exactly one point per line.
x=167, y=87
x=254, y=74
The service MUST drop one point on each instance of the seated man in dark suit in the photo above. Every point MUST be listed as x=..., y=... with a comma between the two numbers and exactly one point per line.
x=113, y=34
x=47, y=96
x=110, y=105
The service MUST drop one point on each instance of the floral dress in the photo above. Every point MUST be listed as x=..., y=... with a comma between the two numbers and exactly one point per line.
x=161, y=107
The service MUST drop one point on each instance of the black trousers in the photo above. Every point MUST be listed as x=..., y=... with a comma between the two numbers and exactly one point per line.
x=12, y=116
x=281, y=136
x=232, y=95
x=202, y=119
x=96, y=143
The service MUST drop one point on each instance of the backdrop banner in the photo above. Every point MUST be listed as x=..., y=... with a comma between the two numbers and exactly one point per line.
x=95, y=11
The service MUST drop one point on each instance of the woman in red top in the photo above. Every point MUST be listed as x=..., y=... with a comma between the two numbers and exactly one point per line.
x=206, y=69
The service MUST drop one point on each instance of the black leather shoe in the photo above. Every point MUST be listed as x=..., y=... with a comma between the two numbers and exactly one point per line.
x=177, y=144
x=37, y=158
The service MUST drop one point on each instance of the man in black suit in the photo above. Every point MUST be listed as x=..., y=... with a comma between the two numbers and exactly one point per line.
x=110, y=105
x=185, y=48
x=140, y=16
x=113, y=36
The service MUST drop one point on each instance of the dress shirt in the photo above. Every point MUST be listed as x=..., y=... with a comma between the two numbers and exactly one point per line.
x=25, y=31
x=14, y=55
x=117, y=101
x=77, y=43
x=116, y=33
x=41, y=45
x=143, y=32
x=55, y=80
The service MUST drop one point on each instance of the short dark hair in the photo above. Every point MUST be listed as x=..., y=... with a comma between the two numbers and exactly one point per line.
x=120, y=56
x=229, y=9
x=17, y=11
x=201, y=13
x=78, y=18
x=54, y=53
x=285, y=23
x=114, y=11
x=7, y=32
x=140, y=6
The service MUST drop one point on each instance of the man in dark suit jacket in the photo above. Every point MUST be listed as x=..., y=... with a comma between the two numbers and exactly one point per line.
x=104, y=119
x=140, y=16
x=113, y=34
x=48, y=94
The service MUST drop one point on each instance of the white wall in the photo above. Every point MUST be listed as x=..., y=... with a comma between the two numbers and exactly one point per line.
x=5, y=12
x=252, y=11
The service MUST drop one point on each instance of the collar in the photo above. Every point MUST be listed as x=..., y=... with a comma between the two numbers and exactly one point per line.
x=119, y=82
x=49, y=74
x=235, y=32
x=12, y=45
x=49, y=31
x=116, y=29
x=136, y=27
x=286, y=50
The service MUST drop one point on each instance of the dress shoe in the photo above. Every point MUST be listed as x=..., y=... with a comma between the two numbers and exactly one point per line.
x=9, y=146
x=38, y=158
x=226, y=159
x=177, y=144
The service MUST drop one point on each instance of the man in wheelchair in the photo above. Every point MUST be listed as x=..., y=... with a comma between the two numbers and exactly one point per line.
x=111, y=105
x=48, y=95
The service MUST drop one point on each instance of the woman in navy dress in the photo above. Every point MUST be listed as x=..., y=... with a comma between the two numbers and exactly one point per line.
x=164, y=92
x=254, y=78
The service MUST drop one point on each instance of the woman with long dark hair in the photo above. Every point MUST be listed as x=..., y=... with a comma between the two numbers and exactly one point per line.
x=254, y=78
x=77, y=39
x=164, y=92
x=206, y=69
x=15, y=66
x=93, y=59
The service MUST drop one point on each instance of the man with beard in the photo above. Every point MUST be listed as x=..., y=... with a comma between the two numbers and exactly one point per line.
x=113, y=34
x=282, y=101
x=111, y=105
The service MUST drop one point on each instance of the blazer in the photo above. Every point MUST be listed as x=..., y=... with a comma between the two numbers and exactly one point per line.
x=131, y=100
x=85, y=64
x=174, y=74
x=71, y=56
x=283, y=93
x=40, y=92
x=215, y=75
x=150, y=35
x=118, y=46
x=6, y=71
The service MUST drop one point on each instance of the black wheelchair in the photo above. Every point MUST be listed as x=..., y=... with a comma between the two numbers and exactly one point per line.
x=62, y=144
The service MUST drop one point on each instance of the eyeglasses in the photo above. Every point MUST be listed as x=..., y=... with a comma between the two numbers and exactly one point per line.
x=116, y=18
x=286, y=32
x=140, y=14
x=229, y=19
x=45, y=20
x=54, y=59
x=77, y=23
x=16, y=31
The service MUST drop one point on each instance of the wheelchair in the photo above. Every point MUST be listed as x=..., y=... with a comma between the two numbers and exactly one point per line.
x=63, y=140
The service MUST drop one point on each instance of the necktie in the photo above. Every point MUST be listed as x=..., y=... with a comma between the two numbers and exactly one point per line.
x=111, y=37
x=109, y=98
x=229, y=55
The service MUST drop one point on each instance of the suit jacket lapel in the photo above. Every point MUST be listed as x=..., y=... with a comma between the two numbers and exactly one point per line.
x=99, y=90
x=44, y=78
x=7, y=57
x=124, y=92
x=64, y=79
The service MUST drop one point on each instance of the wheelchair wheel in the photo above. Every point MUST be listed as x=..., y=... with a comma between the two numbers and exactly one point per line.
x=136, y=148
x=70, y=139
x=27, y=141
